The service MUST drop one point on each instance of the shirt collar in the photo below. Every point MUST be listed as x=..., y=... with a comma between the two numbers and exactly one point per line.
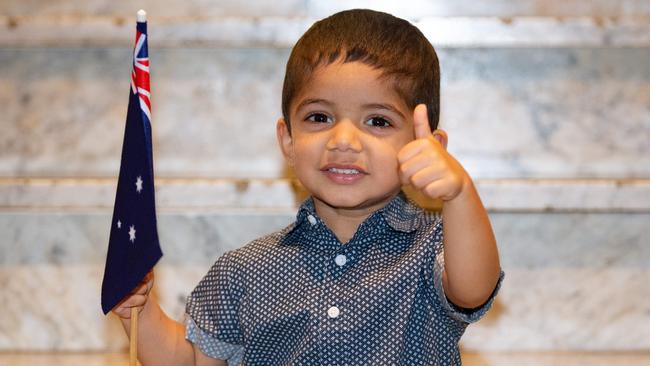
x=401, y=214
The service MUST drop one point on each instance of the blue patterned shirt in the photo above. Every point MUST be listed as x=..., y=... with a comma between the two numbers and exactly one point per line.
x=300, y=297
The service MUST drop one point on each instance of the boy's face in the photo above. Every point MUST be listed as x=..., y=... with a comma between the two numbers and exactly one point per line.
x=347, y=126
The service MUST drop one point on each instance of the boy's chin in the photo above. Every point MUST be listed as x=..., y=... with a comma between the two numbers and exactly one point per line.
x=343, y=202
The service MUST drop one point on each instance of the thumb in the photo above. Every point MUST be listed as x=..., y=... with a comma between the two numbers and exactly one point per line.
x=421, y=122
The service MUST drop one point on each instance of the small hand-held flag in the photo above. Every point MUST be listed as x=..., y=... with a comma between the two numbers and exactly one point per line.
x=133, y=247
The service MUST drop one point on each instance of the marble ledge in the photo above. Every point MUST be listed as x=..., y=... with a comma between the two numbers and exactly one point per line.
x=183, y=194
x=468, y=358
x=289, y=8
x=566, y=310
x=283, y=31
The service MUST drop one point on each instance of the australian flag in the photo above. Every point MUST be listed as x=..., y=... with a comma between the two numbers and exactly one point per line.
x=133, y=247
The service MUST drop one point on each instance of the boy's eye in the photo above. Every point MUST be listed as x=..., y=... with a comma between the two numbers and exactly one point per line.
x=378, y=122
x=319, y=118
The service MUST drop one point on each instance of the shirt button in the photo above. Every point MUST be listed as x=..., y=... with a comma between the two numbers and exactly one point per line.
x=311, y=219
x=333, y=312
x=340, y=260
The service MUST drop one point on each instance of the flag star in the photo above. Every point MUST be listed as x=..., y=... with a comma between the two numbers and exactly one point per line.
x=138, y=184
x=132, y=234
x=119, y=224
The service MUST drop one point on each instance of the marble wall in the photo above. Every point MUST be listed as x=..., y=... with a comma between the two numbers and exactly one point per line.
x=575, y=281
x=525, y=113
x=549, y=111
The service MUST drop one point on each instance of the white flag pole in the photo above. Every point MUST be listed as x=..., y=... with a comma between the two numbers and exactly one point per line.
x=133, y=341
x=142, y=16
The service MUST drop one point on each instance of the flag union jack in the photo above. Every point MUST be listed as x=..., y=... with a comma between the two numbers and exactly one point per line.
x=140, y=74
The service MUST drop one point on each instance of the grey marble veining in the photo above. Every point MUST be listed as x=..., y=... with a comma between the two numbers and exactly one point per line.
x=66, y=111
x=62, y=239
x=573, y=282
x=505, y=8
x=468, y=358
x=552, y=113
x=567, y=309
x=542, y=113
x=163, y=8
x=199, y=195
x=533, y=240
x=322, y=8
x=283, y=32
x=549, y=112
x=57, y=308
x=228, y=23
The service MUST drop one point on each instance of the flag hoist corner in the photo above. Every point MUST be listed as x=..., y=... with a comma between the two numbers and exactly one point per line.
x=133, y=247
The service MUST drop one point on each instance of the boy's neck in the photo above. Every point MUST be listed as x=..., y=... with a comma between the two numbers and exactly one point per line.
x=344, y=222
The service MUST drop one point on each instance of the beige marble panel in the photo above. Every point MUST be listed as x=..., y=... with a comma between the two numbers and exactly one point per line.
x=555, y=358
x=468, y=358
x=162, y=8
x=66, y=31
x=526, y=113
x=542, y=113
x=320, y=8
x=65, y=358
x=81, y=237
x=504, y=8
x=567, y=309
x=57, y=308
x=527, y=240
x=66, y=110
x=187, y=194
x=49, y=307
x=573, y=281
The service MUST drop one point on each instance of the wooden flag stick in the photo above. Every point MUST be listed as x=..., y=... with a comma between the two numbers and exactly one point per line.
x=133, y=344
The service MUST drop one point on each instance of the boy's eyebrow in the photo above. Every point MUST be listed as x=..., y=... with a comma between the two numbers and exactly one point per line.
x=388, y=107
x=313, y=101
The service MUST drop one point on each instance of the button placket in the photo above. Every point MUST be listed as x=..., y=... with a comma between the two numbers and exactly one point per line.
x=331, y=300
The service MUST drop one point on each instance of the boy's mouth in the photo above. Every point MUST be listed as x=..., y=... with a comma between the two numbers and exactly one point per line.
x=343, y=169
x=344, y=174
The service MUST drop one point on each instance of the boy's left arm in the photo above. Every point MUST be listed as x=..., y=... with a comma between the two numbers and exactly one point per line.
x=472, y=266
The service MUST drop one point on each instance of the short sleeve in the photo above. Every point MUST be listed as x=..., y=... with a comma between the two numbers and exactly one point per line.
x=460, y=314
x=433, y=275
x=212, y=309
x=212, y=347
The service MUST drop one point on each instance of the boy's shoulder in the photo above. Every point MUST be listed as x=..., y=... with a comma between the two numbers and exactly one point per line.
x=405, y=214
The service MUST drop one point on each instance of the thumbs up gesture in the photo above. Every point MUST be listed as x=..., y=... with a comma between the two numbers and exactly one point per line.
x=426, y=164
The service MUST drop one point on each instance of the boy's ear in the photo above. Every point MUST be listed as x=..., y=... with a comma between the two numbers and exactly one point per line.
x=285, y=141
x=442, y=137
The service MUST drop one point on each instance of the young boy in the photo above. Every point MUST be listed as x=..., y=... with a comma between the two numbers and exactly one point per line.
x=360, y=278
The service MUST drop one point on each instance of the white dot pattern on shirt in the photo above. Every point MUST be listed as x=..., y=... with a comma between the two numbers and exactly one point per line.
x=273, y=297
x=213, y=347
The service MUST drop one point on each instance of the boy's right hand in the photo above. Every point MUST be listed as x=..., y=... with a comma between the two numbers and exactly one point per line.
x=136, y=299
x=426, y=164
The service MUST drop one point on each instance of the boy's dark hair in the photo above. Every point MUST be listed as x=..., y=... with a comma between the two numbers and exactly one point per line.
x=383, y=41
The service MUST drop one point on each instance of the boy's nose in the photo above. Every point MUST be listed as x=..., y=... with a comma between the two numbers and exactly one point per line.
x=345, y=136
